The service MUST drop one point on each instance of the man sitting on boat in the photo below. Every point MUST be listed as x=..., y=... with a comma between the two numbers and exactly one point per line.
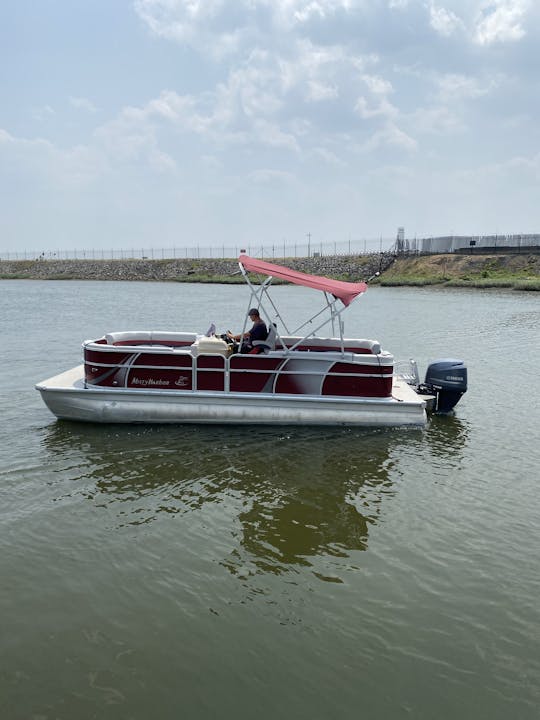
x=258, y=331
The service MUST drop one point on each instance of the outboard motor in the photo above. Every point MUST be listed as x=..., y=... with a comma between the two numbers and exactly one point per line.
x=447, y=380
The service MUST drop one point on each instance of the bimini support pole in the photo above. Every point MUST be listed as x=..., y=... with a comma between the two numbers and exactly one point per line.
x=335, y=314
x=257, y=294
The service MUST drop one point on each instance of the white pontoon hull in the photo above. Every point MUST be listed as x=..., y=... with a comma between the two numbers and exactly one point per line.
x=68, y=398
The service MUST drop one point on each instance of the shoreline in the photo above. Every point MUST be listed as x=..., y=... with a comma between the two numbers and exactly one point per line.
x=500, y=271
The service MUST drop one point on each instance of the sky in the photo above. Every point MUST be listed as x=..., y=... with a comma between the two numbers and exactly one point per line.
x=177, y=123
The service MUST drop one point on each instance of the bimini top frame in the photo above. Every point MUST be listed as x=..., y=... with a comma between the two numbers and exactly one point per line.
x=334, y=291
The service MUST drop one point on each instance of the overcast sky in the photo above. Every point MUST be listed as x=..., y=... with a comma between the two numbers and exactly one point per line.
x=159, y=123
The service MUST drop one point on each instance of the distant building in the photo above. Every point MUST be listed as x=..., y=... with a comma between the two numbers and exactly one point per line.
x=474, y=243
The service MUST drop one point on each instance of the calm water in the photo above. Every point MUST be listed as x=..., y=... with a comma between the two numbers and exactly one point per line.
x=203, y=572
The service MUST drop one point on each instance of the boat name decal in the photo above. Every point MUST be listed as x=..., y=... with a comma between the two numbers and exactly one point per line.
x=149, y=381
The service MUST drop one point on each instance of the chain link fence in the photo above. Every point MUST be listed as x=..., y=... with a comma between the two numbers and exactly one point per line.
x=311, y=248
x=269, y=252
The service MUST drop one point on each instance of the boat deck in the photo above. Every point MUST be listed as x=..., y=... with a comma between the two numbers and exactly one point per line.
x=72, y=379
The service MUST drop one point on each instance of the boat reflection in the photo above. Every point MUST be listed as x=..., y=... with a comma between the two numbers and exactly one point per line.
x=446, y=436
x=278, y=499
x=319, y=498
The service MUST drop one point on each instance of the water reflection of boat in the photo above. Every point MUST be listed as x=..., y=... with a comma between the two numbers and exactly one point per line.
x=446, y=436
x=286, y=513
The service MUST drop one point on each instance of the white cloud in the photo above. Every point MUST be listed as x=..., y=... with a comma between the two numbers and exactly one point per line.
x=440, y=120
x=381, y=109
x=377, y=105
x=177, y=18
x=447, y=110
x=207, y=25
x=270, y=177
x=132, y=138
x=318, y=91
x=5, y=137
x=377, y=85
x=263, y=102
x=501, y=21
x=184, y=19
x=222, y=29
x=271, y=134
x=44, y=113
x=302, y=11
x=453, y=87
x=44, y=163
x=82, y=103
x=496, y=173
x=328, y=157
x=390, y=136
x=444, y=21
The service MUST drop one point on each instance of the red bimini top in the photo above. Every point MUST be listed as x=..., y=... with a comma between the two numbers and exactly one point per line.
x=344, y=291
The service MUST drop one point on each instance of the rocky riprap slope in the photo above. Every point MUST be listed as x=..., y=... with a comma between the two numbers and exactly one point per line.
x=347, y=268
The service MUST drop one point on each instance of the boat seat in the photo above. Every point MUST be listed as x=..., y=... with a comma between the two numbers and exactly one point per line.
x=270, y=342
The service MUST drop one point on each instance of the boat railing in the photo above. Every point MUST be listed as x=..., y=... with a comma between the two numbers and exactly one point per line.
x=177, y=368
x=407, y=370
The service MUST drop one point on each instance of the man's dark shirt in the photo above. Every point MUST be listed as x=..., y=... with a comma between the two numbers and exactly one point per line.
x=258, y=332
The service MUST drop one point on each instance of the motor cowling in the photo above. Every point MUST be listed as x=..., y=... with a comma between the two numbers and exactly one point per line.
x=447, y=380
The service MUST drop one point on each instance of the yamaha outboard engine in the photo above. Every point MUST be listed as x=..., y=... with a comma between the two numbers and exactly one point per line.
x=447, y=380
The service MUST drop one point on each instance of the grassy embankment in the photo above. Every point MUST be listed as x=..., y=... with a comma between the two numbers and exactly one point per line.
x=516, y=272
